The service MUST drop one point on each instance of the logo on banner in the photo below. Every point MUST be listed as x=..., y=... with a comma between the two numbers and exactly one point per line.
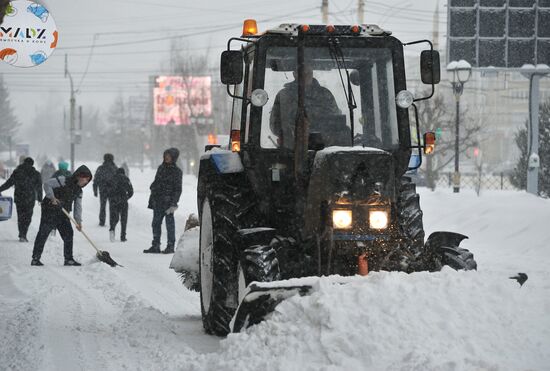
x=28, y=35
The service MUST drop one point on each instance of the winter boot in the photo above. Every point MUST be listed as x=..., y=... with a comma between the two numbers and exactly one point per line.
x=122, y=238
x=23, y=239
x=155, y=249
x=72, y=263
x=169, y=249
x=36, y=262
x=112, y=236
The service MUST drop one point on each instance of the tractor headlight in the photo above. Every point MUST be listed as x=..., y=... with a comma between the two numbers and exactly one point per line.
x=342, y=219
x=378, y=219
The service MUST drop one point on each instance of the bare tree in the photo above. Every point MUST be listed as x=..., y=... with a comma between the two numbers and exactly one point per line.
x=189, y=66
x=8, y=120
x=438, y=115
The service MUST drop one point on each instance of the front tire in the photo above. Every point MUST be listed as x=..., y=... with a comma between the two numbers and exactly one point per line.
x=410, y=215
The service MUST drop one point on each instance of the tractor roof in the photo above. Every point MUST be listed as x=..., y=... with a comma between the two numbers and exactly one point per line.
x=291, y=29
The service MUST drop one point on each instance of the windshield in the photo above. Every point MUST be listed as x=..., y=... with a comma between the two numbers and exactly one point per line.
x=326, y=100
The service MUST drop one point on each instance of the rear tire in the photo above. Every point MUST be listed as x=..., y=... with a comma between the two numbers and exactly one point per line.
x=214, y=269
x=224, y=211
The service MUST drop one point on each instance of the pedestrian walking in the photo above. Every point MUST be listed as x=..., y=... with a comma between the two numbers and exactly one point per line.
x=28, y=190
x=102, y=182
x=165, y=194
x=47, y=171
x=121, y=192
x=61, y=192
x=126, y=169
x=62, y=169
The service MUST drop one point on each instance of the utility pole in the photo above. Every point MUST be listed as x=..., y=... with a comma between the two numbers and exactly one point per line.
x=9, y=145
x=534, y=74
x=324, y=11
x=71, y=113
x=360, y=11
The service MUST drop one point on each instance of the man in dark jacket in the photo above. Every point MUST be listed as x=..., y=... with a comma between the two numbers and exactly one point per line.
x=102, y=181
x=165, y=194
x=61, y=192
x=28, y=190
x=121, y=192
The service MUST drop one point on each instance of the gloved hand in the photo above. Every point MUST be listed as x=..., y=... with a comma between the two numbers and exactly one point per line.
x=171, y=210
x=55, y=201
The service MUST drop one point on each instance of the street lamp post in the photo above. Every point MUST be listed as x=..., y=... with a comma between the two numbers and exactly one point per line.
x=72, y=113
x=460, y=73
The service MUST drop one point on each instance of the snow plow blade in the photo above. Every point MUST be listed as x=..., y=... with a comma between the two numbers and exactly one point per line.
x=261, y=299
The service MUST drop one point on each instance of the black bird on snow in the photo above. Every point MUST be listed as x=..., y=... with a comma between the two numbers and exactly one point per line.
x=520, y=277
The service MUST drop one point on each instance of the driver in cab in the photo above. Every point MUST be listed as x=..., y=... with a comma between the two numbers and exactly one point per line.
x=319, y=103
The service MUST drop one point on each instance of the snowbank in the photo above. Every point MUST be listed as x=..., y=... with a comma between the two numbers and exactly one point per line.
x=394, y=321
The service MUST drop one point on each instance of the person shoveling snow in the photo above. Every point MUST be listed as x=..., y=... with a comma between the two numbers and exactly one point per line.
x=61, y=192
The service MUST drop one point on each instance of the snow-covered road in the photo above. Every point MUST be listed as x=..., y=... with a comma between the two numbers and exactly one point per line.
x=97, y=317
x=141, y=318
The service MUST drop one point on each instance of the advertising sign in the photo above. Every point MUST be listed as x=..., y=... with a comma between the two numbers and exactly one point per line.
x=179, y=100
x=28, y=35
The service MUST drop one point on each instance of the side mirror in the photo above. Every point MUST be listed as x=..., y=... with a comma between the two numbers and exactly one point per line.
x=429, y=142
x=429, y=67
x=231, y=67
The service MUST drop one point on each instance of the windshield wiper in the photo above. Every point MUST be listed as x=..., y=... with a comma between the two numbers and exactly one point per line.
x=338, y=56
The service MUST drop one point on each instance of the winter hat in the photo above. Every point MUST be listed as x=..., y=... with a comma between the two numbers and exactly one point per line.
x=63, y=165
x=174, y=153
x=82, y=171
x=108, y=157
x=28, y=161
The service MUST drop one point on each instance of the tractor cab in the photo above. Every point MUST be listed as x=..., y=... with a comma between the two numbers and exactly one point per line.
x=301, y=89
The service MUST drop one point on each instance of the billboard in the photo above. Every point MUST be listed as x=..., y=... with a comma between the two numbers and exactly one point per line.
x=181, y=100
x=499, y=33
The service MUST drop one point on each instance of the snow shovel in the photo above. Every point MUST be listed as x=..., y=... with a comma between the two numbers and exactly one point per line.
x=103, y=256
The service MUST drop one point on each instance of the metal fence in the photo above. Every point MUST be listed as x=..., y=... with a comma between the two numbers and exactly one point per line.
x=477, y=181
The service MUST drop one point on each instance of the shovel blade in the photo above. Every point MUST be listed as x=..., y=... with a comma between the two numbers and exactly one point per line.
x=105, y=257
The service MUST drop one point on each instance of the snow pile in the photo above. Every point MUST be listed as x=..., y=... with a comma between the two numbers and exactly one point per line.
x=392, y=321
x=426, y=321
x=186, y=257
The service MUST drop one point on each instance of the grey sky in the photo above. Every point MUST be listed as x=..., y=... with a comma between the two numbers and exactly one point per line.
x=141, y=30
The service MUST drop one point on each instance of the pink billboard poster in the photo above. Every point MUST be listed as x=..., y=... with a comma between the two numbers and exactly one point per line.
x=177, y=99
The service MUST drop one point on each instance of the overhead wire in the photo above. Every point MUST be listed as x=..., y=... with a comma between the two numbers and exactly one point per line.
x=163, y=38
